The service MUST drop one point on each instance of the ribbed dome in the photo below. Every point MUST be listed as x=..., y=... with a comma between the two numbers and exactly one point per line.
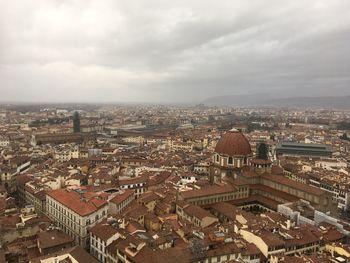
x=233, y=143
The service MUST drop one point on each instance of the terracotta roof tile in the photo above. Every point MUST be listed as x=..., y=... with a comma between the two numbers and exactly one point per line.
x=233, y=143
x=118, y=199
x=74, y=201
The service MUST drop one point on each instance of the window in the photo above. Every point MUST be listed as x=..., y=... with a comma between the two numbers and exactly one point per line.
x=230, y=160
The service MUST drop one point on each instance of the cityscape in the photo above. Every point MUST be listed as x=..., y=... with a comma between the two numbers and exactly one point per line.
x=174, y=131
x=158, y=183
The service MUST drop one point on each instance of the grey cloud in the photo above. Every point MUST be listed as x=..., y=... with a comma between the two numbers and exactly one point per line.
x=181, y=51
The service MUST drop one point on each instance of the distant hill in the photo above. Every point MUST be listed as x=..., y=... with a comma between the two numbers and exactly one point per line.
x=238, y=100
x=267, y=100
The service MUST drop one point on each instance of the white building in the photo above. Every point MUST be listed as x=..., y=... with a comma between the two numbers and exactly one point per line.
x=74, y=212
x=4, y=141
x=102, y=235
x=66, y=153
x=138, y=184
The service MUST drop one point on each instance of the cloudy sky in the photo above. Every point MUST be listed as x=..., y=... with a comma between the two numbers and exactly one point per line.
x=172, y=51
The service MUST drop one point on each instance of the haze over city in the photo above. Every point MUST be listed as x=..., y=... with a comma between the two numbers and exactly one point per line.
x=172, y=51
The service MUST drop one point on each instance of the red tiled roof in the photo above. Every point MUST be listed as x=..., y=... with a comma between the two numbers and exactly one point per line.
x=260, y=161
x=291, y=183
x=52, y=238
x=121, y=197
x=198, y=212
x=72, y=200
x=135, y=180
x=208, y=191
x=78, y=253
x=103, y=230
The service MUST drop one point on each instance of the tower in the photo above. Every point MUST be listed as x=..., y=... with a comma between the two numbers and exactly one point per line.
x=76, y=122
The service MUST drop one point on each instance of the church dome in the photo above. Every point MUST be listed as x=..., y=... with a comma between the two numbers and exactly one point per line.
x=233, y=143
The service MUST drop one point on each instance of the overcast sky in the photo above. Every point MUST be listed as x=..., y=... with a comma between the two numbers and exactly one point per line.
x=172, y=51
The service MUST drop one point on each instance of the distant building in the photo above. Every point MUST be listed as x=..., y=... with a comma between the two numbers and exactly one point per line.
x=91, y=128
x=61, y=138
x=304, y=149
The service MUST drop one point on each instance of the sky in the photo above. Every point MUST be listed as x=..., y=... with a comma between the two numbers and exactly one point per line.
x=172, y=51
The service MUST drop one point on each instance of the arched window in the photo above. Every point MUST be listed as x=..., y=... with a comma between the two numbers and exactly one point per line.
x=217, y=158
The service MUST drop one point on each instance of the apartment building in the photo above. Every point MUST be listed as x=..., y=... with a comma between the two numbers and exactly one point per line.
x=121, y=201
x=195, y=214
x=75, y=211
x=138, y=184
